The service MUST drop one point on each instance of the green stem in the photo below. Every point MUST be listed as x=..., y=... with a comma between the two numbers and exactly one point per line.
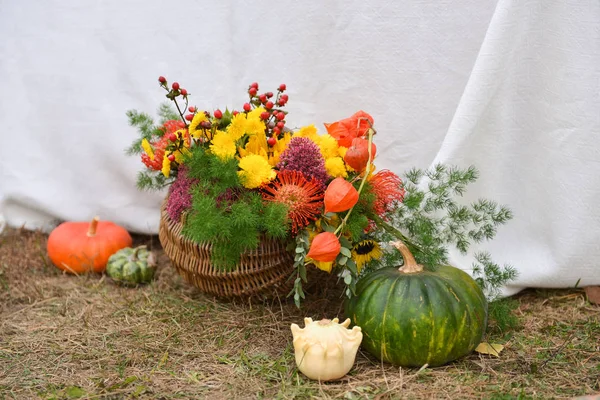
x=392, y=231
x=134, y=256
x=180, y=113
x=362, y=183
x=176, y=104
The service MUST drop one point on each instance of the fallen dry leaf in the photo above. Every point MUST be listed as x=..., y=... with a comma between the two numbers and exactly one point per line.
x=489, y=348
x=593, y=294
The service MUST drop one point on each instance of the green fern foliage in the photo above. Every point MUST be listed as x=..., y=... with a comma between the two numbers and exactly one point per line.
x=225, y=214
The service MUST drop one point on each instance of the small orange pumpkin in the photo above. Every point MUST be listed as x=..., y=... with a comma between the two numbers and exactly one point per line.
x=357, y=155
x=324, y=247
x=340, y=196
x=79, y=247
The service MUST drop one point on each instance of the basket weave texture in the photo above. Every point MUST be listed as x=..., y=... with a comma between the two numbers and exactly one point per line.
x=263, y=272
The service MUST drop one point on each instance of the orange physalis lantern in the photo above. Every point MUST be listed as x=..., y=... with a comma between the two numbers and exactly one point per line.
x=340, y=195
x=324, y=247
x=345, y=130
x=357, y=155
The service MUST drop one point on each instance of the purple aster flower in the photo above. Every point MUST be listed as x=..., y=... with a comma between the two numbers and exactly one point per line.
x=303, y=155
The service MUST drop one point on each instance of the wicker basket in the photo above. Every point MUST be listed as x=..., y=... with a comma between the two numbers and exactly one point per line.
x=263, y=272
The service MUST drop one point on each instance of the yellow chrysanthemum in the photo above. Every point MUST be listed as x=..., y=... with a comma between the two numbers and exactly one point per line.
x=223, y=145
x=255, y=114
x=342, y=151
x=198, y=119
x=309, y=131
x=257, y=144
x=328, y=146
x=255, y=170
x=280, y=146
x=148, y=148
x=335, y=167
x=166, y=166
x=237, y=127
x=255, y=126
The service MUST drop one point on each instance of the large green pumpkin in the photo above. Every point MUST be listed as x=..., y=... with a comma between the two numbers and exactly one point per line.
x=411, y=317
x=131, y=267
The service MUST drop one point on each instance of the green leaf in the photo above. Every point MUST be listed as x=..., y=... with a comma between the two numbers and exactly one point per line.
x=351, y=265
x=346, y=252
x=342, y=260
x=345, y=242
x=302, y=272
x=328, y=228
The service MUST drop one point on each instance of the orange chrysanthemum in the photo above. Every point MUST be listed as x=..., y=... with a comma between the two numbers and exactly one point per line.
x=388, y=189
x=304, y=198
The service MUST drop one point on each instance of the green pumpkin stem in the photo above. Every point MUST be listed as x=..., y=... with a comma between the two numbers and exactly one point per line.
x=410, y=264
x=134, y=256
x=93, y=227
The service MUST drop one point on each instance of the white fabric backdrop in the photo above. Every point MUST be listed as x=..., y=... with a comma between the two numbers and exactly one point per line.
x=512, y=87
x=529, y=118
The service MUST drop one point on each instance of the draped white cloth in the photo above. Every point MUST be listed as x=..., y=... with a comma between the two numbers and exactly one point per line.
x=510, y=86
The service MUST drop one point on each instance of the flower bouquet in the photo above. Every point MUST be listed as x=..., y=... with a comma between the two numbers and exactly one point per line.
x=245, y=189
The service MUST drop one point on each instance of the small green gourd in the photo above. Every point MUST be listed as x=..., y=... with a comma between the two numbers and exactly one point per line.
x=132, y=266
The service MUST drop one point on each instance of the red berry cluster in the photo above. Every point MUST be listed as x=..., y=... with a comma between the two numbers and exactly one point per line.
x=274, y=117
x=176, y=91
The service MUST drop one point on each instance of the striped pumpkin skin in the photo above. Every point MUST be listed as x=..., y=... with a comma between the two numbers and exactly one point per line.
x=413, y=319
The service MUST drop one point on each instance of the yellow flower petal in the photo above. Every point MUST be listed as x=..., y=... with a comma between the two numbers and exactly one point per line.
x=223, y=145
x=166, y=166
x=237, y=127
x=148, y=148
x=309, y=131
x=255, y=127
x=194, y=130
x=328, y=146
x=255, y=171
x=255, y=114
x=323, y=266
x=336, y=167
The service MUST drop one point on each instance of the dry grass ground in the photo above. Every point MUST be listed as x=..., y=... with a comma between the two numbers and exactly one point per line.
x=83, y=337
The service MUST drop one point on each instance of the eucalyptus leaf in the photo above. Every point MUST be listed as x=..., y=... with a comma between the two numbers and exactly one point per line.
x=346, y=252
x=302, y=272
